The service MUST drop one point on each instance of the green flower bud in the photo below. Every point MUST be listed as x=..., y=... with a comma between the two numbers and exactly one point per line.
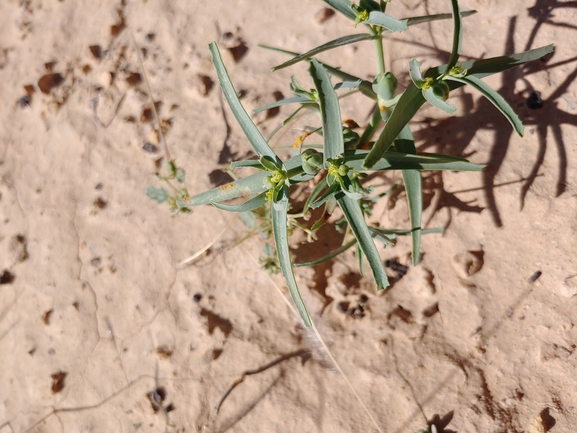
x=277, y=177
x=312, y=161
x=343, y=170
x=441, y=90
x=457, y=71
x=391, y=79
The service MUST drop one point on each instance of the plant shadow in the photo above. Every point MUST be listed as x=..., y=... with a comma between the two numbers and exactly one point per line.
x=542, y=114
x=442, y=422
x=229, y=423
x=327, y=240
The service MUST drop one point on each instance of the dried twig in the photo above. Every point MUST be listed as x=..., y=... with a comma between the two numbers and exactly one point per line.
x=274, y=362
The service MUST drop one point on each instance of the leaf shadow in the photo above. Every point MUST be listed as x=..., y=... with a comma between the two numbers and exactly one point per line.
x=442, y=422
x=328, y=239
x=454, y=139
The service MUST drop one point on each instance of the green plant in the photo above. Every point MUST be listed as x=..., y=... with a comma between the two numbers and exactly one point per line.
x=345, y=157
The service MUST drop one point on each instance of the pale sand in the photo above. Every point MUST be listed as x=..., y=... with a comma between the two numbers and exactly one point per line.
x=89, y=262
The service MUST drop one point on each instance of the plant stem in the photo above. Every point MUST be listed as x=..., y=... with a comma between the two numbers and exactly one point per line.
x=295, y=171
x=371, y=127
x=378, y=47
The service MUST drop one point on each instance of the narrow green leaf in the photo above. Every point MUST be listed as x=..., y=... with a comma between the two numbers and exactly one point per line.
x=404, y=143
x=369, y=5
x=285, y=122
x=393, y=233
x=247, y=206
x=248, y=219
x=247, y=186
x=280, y=103
x=280, y=194
x=356, y=220
x=325, y=196
x=360, y=256
x=496, y=99
x=313, y=195
x=252, y=133
x=485, y=67
x=415, y=72
x=380, y=237
x=328, y=256
x=298, y=90
x=279, y=227
x=457, y=35
x=411, y=100
x=371, y=128
x=424, y=19
x=318, y=224
x=438, y=102
x=269, y=163
x=383, y=20
x=330, y=112
x=347, y=84
x=414, y=189
x=342, y=6
x=345, y=40
x=278, y=50
x=364, y=87
x=246, y=163
x=403, y=161
x=301, y=177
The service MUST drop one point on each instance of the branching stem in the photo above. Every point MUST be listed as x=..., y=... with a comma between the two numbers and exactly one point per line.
x=378, y=47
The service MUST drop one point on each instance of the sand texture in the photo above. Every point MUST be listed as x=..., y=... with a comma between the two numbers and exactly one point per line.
x=101, y=330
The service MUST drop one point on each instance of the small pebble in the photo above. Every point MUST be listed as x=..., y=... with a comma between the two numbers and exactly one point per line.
x=24, y=101
x=149, y=147
x=323, y=15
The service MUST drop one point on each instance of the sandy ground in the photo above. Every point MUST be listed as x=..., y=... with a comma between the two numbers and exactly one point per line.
x=100, y=330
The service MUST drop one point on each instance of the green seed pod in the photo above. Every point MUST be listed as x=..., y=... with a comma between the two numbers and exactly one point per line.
x=351, y=138
x=391, y=79
x=312, y=161
x=441, y=90
x=343, y=170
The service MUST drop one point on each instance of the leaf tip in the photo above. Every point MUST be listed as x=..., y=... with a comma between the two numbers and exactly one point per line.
x=404, y=25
